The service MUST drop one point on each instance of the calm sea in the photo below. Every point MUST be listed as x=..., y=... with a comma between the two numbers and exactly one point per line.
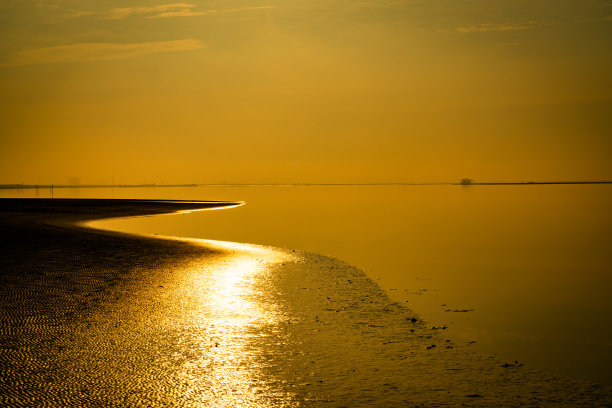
x=523, y=271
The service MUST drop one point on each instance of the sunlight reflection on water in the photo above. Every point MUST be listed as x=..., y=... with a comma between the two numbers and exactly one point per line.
x=228, y=315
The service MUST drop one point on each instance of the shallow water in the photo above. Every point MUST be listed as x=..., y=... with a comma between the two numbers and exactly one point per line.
x=524, y=271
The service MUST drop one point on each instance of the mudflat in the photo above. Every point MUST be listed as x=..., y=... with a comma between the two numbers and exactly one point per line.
x=100, y=318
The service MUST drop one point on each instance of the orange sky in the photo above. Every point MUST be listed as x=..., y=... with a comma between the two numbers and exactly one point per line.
x=306, y=91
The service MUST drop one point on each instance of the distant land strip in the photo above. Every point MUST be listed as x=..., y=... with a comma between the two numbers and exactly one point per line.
x=523, y=183
x=464, y=182
x=41, y=186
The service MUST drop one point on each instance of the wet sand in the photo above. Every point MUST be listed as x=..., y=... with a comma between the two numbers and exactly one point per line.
x=98, y=318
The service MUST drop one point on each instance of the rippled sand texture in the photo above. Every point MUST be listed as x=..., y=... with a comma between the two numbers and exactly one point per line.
x=91, y=318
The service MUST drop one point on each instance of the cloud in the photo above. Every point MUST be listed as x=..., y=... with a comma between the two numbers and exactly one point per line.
x=98, y=51
x=161, y=11
x=178, y=13
x=78, y=13
x=154, y=12
x=489, y=27
x=246, y=8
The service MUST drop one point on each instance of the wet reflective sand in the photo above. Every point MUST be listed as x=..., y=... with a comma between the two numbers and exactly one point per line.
x=92, y=318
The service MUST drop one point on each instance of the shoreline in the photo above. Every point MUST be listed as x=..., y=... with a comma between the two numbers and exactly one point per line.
x=66, y=287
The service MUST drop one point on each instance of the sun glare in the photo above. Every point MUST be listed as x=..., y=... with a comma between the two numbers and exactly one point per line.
x=229, y=316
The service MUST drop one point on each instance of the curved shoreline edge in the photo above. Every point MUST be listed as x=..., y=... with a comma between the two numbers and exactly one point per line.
x=66, y=288
x=86, y=209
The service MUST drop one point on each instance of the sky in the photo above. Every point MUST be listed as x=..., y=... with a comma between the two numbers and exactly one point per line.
x=269, y=91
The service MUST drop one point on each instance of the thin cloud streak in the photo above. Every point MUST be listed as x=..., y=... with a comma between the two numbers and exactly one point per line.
x=491, y=27
x=245, y=8
x=78, y=14
x=178, y=9
x=170, y=10
x=155, y=12
x=98, y=51
x=179, y=13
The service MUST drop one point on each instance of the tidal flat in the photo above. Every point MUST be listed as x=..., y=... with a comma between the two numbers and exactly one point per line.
x=99, y=318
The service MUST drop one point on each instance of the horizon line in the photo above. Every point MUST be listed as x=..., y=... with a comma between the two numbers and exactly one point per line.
x=18, y=186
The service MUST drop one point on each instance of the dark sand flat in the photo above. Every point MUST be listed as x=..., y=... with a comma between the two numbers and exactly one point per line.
x=98, y=318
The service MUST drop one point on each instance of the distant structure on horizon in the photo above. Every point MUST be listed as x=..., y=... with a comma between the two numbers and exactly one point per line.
x=466, y=182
